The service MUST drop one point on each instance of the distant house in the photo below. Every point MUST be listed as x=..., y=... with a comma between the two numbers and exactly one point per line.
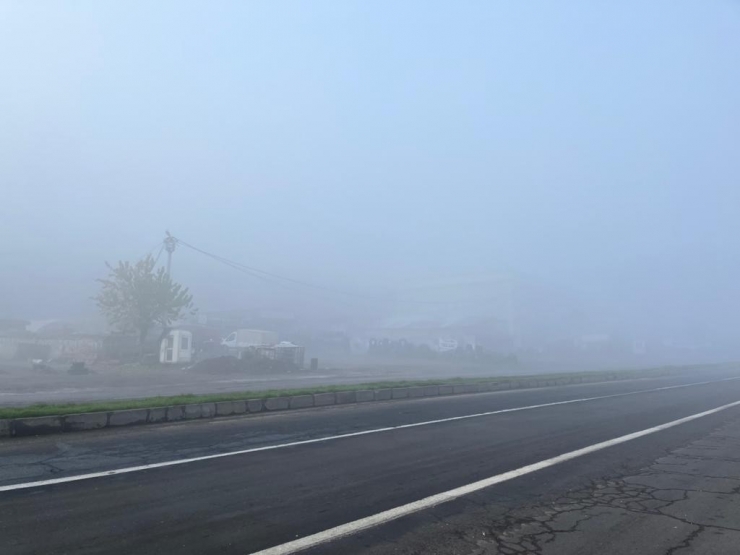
x=452, y=314
x=13, y=325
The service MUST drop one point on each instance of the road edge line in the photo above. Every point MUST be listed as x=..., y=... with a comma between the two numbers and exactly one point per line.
x=383, y=517
x=177, y=462
x=77, y=422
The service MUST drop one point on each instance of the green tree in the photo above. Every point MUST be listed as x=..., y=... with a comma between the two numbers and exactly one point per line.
x=137, y=296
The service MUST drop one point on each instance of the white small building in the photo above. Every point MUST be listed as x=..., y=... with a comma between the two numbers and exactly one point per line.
x=176, y=347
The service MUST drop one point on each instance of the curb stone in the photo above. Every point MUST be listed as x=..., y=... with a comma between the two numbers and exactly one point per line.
x=175, y=413
x=345, y=397
x=323, y=399
x=127, y=417
x=96, y=420
x=383, y=394
x=365, y=395
x=86, y=421
x=446, y=390
x=277, y=403
x=192, y=411
x=301, y=401
x=400, y=392
x=36, y=425
x=464, y=388
x=157, y=415
x=224, y=408
x=431, y=390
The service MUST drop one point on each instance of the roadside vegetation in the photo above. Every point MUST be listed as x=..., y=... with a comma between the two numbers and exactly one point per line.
x=136, y=297
x=163, y=401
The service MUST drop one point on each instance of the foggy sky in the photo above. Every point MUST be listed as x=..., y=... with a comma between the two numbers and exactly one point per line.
x=590, y=147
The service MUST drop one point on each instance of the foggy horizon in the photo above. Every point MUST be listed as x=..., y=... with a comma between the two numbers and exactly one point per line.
x=587, y=152
x=370, y=277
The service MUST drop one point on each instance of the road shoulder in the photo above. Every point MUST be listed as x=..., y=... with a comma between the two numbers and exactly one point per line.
x=687, y=501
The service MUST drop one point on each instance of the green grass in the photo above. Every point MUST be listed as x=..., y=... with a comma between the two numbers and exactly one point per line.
x=43, y=409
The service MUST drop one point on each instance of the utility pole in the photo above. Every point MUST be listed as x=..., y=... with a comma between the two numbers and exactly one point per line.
x=169, y=244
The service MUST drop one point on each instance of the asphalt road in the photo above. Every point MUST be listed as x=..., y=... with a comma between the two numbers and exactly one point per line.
x=673, y=491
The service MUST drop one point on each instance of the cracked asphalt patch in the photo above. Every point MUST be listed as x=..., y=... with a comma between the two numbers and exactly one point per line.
x=685, y=502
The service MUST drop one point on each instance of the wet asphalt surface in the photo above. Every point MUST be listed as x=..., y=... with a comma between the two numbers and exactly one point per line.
x=676, y=491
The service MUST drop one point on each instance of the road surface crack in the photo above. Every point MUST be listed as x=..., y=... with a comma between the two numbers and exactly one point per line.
x=535, y=529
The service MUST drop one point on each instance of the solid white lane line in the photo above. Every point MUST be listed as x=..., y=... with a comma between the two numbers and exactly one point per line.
x=127, y=470
x=434, y=500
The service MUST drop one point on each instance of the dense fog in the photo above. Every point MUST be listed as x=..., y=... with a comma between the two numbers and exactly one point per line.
x=565, y=174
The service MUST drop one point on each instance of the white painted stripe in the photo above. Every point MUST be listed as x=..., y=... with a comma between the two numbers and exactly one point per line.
x=127, y=470
x=428, y=502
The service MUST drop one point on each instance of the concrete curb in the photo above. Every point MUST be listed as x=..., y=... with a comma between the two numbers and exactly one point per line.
x=346, y=397
x=96, y=420
x=365, y=395
x=126, y=417
x=225, y=408
x=175, y=413
x=400, y=392
x=276, y=403
x=88, y=421
x=301, y=401
x=36, y=426
x=157, y=415
x=191, y=412
x=446, y=389
x=383, y=394
x=323, y=399
x=254, y=405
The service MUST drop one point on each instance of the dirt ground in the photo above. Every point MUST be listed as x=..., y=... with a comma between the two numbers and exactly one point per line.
x=22, y=384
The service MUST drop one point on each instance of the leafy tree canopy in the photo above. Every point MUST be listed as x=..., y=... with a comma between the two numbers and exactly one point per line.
x=137, y=296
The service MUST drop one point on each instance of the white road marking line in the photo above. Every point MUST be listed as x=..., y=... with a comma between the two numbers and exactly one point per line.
x=428, y=502
x=127, y=470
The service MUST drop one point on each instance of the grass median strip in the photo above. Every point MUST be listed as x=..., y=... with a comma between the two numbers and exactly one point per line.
x=163, y=401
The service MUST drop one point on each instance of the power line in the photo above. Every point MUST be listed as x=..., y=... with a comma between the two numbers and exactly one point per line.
x=275, y=278
x=283, y=280
x=161, y=248
x=151, y=251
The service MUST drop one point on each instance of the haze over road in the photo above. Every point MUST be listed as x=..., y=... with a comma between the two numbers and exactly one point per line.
x=674, y=487
x=225, y=198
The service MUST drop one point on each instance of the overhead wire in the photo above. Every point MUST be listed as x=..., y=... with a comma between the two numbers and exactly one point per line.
x=151, y=251
x=275, y=278
x=283, y=280
x=161, y=248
